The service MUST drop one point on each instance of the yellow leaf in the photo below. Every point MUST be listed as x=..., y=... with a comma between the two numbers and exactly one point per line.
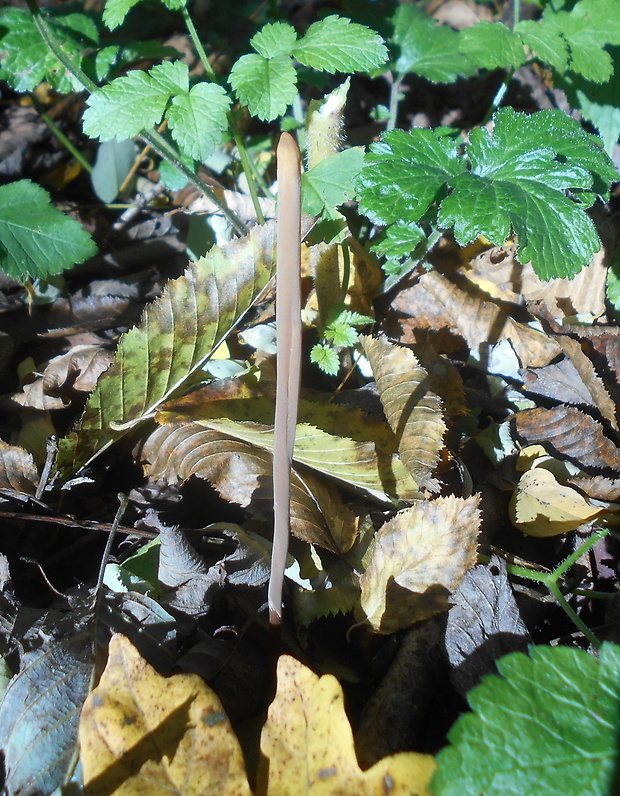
x=308, y=745
x=421, y=555
x=541, y=506
x=146, y=735
x=412, y=409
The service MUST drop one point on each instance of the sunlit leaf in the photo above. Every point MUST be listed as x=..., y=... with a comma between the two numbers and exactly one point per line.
x=420, y=557
x=141, y=732
x=308, y=748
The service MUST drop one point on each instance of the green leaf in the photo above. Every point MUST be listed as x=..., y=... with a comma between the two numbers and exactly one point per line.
x=276, y=39
x=198, y=118
x=331, y=182
x=27, y=59
x=491, y=45
x=115, y=12
x=36, y=239
x=427, y=49
x=587, y=28
x=549, y=724
x=134, y=102
x=326, y=358
x=178, y=333
x=266, y=86
x=399, y=241
x=517, y=180
x=405, y=173
x=545, y=41
x=112, y=165
x=336, y=44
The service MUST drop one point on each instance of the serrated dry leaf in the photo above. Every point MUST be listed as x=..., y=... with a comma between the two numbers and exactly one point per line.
x=541, y=506
x=78, y=369
x=413, y=410
x=483, y=322
x=420, y=557
x=242, y=473
x=308, y=745
x=568, y=432
x=141, y=733
x=18, y=472
x=498, y=272
x=176, y=335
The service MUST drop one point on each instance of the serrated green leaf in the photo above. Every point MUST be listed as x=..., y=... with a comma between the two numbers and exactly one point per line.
x=399, y=241
x=36, y=239
x=518, y=179
x=28, y=60
x=404, y=174
x=341, y=334
x=178, y=333
x=427, y=49
x=331, y=182
x=545, y=41
x=561, y=739
x=587, y=28
x=275, y=39
x=266, y=86
x=133, y=102
x=198, y=118
x=491, y=45
x=335, y=44
x=115, y=12
x=326, y=358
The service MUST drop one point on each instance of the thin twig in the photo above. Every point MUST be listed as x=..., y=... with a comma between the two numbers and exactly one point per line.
x=288, y=323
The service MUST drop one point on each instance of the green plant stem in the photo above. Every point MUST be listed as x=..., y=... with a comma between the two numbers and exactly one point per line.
x=60, y=136
x=550, y=580
x=191, y=29
x=157, y=141
x=232, y=122
x=394, y=92
x=501, y=92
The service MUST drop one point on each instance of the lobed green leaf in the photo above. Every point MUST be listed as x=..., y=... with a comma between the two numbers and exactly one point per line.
x=336, y=44
x=491, y=45
x=331, y=182
x=275, y=39
x=198, y=118
x=266, y=85
x=36, y=239
x=549, y=725
x=115, y=12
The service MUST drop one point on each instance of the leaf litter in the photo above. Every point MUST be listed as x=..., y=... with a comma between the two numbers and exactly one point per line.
x=477, y=436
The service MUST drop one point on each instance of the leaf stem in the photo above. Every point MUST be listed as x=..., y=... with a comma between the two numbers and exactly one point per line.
x=501, y=92
x=60, y=136
x=394, y=101
x=157, y=141
x=288, y=324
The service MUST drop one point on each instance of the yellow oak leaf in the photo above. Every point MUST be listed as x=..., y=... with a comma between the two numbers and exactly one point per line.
x=420, y=557
x=541, y=506
x=146, y=735
x=308, y=748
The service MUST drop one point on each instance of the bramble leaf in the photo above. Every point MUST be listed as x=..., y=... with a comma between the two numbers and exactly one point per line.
x=326, y=358
x=35, y=237
x=27, y=60
x=115, y=12
x=491, y=45
x=545, y=42
x=266, y=85
x=331, y=182
x=275, y=39
x=427, y=49
x=561, y=739
x=335, y=44
x=197, y=119
x=517, y=180
x=130, y=103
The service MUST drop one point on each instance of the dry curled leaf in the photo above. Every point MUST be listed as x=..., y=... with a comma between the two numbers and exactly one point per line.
x=481, y=321
x=420, y=557
x=308, y=745
x=541, y=506
x=569, y=433
x=413, y=410
x=133, y=741
x=18, y=472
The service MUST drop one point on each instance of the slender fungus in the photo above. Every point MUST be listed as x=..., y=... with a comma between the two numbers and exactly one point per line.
x=288, y=323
